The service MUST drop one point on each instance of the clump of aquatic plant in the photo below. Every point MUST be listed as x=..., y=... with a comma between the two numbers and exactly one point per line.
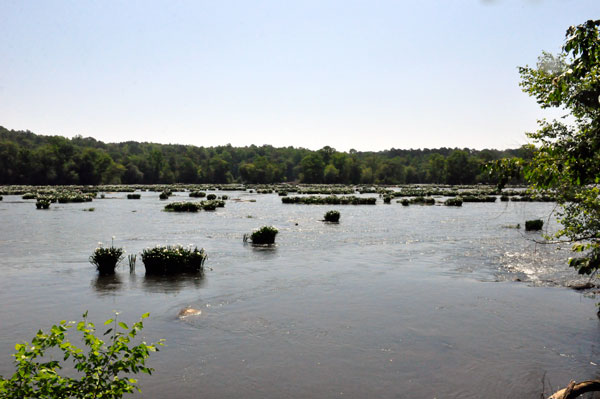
x=89, y=209
x=106, y=258
x=134, y=196
x=209, y=205
x=183, y=207
x=479, y=198
x=224, y=197
x=165, y=194
x=330, y=200
x=211, y=197
x=197, y=194
x=456, y=201
x=42, y=203
x=0, y=198
x=534, y=225
x=28, y=196
x=132, y=258
x=173, y=259
x=404, y=201
x=332, y=216
x=263, y=236
x=103, y=372
x=423, y=201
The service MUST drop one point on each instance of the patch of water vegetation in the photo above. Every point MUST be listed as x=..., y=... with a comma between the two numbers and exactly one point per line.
x=534, y=225
x=423, y=201
x=173, y=259
x=330, y=200
x=262, y=236
x=332, y=216
x=134, y=196
x=456, y=201
x=106, y=258
x=42, y=203
x=197, y=194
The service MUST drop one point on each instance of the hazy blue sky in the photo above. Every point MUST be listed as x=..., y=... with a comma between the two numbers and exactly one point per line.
x=368, y=75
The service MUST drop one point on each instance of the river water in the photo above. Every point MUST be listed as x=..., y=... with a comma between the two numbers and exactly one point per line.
x=392, y=302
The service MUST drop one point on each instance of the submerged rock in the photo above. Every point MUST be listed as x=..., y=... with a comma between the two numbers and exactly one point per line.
x=582, y=286
x=187, y=312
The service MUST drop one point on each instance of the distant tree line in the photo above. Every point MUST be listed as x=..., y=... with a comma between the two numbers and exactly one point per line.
x=28, y=158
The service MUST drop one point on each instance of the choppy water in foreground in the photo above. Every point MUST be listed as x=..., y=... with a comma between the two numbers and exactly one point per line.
x=393, y=302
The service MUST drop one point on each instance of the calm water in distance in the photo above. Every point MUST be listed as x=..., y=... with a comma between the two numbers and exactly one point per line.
x=393, y=302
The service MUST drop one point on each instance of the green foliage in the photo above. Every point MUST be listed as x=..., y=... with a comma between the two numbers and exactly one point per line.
x=134, y=196
x=26, y=158
x=264, y=236
x=566, y=162
x=173, y=259
x=332, y=216
x=104, y=371
x=106, y=258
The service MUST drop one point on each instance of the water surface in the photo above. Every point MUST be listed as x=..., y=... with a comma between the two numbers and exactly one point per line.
x=393, y=302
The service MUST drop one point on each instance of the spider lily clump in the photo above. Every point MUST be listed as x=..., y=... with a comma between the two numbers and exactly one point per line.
x=106, y=258
x=173, y=259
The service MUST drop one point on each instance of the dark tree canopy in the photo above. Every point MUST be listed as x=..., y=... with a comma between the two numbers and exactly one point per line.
x=27, y=158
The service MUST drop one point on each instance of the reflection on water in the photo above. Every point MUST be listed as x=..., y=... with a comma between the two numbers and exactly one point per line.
x=172, y=283
x=391, y=300
x=105, y=284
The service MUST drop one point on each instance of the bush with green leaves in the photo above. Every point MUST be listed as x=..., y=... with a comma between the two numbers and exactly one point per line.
x=197, y=194
x=106, y=258
x=103, y=371
x=211, y=197
x=332, y=216
x=173, y=259
x=134, y=196
x=263, y=236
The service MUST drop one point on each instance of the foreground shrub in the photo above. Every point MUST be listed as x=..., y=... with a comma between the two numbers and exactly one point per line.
x=101, y=372
x=106, y=259
x=173, y=259
x=134, y=196
x=263, y=236
x=332, y=216
x=534, y=225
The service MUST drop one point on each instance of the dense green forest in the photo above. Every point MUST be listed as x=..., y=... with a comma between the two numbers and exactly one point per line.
x=28, y=158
